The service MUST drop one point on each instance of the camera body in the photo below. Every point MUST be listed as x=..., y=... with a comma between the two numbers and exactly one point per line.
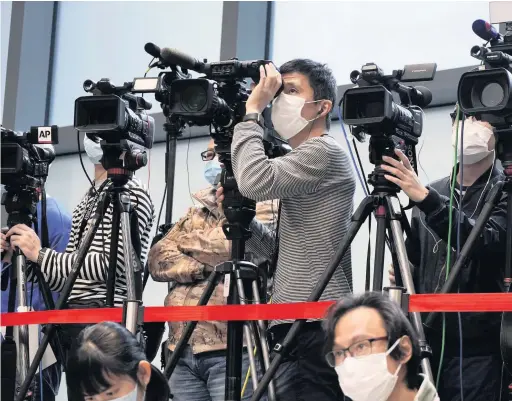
x=24, y=169
x=218, y=98
x=22, y=161
x=119, y=119
x=371, y=107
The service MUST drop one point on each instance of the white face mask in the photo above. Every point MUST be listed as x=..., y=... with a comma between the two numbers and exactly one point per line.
x=475, y=146
x=367, y=378
x=131, y=396
x=286, y=115
x=93, y=150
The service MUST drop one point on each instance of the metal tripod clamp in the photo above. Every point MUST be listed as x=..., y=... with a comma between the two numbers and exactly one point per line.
x=400, y=296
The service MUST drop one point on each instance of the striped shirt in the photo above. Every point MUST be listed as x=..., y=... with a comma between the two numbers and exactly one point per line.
x=315, y=183
x=91, y=282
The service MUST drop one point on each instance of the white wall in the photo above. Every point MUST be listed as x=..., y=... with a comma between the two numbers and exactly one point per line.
x=346, y=35
x=5, y=12
x=106, y=40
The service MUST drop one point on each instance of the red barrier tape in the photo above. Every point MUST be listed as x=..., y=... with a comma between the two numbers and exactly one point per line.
x=306, y=310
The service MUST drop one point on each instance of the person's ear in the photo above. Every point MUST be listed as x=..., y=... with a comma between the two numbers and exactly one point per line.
x=144, y=373
x=405, y=346
x=326, y=107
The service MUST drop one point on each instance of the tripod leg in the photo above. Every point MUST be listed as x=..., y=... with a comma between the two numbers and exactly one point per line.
x=248, y=335
x=233, y=387
x=406, y=275
x=132, y=315
x=23, y=340
x=112, y=259
x=380, y=242
x=263, y=343
x=189, y=328
x=65, y=293
x=359, y=217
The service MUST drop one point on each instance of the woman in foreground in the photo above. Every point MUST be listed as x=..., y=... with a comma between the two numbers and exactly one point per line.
x=108, y=364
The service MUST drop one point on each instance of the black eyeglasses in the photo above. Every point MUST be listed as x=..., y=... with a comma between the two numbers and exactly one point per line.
x=208, y=155
x=356, y=350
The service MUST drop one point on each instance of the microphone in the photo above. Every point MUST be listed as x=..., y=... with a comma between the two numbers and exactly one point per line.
x=175, y=57
x=485, y=30
x=152, y=49
x=421, y=96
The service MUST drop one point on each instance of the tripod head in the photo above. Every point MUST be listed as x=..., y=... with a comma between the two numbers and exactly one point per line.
x=383, y=145
x=21, y=203
x=121, y=160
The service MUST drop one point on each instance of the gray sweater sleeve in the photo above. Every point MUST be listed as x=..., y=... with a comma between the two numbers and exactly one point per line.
x=299, y=172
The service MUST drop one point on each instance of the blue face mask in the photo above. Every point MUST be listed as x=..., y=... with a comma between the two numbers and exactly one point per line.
x=212, y=171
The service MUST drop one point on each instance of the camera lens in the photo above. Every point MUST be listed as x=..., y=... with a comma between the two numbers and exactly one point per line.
x=492, y=95
x=194, y=98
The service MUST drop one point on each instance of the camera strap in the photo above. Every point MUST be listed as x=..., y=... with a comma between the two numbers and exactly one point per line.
x=275, y=254
x=45, y=238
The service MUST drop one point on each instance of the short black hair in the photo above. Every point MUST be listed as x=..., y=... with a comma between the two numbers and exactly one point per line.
x=320, y=78
x=395, y=322
x=105, y=349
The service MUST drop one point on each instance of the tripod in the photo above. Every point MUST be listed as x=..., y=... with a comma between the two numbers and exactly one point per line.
x=389, y=214
x=132, y=310
x=241, y=277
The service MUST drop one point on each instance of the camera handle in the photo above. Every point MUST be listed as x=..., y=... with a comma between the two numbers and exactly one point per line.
x=66, y=292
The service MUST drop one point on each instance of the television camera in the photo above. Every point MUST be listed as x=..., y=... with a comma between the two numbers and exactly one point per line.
x=487, y=92
x=117, y=117
x=371, y=109
x=24, y=169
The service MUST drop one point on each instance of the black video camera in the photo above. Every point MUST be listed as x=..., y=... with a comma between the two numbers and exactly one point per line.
x=119, y=118
x=23, y=161
x=487, y=93
x=371, y=106
x=219, y=97
x=25, y=168
x=371, y=109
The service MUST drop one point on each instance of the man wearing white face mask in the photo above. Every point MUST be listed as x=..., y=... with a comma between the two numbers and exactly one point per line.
x=90, y=288
x=375, y=351
x=315, y=184
x=426, y=249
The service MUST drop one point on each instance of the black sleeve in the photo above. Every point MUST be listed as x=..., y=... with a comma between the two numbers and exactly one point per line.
x=437, y=210
x=412, y=242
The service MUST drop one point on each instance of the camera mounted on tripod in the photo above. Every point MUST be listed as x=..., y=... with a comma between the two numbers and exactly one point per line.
x=217, y=99
x=24, y=169
x=371, y=109
x=119, y=119
x=487, y=93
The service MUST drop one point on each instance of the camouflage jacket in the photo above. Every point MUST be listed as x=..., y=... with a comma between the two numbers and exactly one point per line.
x=187, y=255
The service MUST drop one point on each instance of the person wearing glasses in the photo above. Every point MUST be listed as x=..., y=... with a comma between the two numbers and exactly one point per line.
x=375, y=351
x=478, y=375
x=186, y=256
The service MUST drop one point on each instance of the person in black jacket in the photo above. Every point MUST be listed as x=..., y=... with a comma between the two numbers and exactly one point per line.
x=484, y=272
